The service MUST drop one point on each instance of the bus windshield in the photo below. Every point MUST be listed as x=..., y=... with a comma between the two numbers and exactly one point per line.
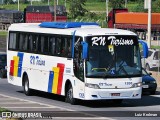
x=113, y=56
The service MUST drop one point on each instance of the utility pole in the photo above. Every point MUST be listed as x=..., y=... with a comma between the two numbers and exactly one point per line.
x=18, y=5
x=107, y=9
x=149, y=24
x=125, y=3
x=31, y=2
x=65, y=3
x=48, y=2
x=55, y=3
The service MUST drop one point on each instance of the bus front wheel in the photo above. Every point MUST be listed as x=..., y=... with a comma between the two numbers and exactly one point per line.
x=26, y=88
x=69, y=96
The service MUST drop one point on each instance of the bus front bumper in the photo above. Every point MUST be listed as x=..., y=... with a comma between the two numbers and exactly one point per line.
x=102, y=94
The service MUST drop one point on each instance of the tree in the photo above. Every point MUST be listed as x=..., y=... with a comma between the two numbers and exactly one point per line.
x=76, y=8
x=155, y=6
x=117, y=3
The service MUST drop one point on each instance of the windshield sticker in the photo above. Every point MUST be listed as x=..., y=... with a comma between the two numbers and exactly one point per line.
x=102, y=41
x=95, y=41
x=110, y=48
x=120, y=41
x=112, y=72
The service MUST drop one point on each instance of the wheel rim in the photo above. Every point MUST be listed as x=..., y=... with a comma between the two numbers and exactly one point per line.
x=26, y=86
x=70, y=94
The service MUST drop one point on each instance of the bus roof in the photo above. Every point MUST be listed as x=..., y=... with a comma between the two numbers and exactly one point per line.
x=82, y=31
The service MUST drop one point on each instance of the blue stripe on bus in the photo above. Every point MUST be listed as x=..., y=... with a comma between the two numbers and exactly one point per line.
x=65, y=25
x=20, y=55
x=50, y=83
x=73, y=41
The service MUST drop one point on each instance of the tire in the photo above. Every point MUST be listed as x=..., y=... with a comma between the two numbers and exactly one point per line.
x=153, y=92
x=27, y=90
x=2, y=73
x=148, y=67
x=69, y=96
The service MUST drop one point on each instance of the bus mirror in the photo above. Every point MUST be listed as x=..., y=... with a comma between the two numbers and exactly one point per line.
x=145, y=48
x=84, y=50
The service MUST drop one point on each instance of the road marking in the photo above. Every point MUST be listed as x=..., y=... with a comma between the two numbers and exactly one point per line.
x=36, y=102
x=15, y=103
x=28, y=107
x=1, y=99
x=51, y=106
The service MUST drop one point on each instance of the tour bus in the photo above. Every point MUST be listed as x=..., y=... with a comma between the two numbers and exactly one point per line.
x=77, y=60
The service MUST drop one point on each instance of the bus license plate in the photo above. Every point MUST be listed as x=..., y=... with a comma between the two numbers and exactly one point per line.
x=115, y=94
x=145, y=86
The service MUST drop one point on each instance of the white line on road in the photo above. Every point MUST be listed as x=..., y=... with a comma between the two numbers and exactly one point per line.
x=52, y=106
x=37, y=103
x=15, y=103
x=28, y=107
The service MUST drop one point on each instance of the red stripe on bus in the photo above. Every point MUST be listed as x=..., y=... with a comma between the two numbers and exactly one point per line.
x=60, y=78
x=12, y=67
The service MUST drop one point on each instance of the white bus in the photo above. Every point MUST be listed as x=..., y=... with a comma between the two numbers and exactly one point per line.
x=77, y=60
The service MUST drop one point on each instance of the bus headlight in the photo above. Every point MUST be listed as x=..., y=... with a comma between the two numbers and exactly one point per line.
x=152, y=81
x=95, y=86
x=136, y=85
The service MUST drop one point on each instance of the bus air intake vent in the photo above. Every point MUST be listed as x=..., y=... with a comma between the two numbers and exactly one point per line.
x=65, y=25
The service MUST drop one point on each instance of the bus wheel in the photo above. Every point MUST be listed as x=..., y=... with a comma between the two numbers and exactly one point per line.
x=2, y=73
x=69, y=96
x=26, y=88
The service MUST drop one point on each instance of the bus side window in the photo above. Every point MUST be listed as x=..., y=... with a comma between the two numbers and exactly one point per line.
x=33, y=39
x=52, y=46
x=37, y=44
x=58, y=46
x=44, y=44
x=21, y=42
x=25, y=44
x=64, y=51
x=12, y=41
x=69, y=47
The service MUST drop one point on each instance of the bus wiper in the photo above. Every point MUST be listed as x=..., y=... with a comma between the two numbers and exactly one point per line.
x=105, y=75
x=122, y=68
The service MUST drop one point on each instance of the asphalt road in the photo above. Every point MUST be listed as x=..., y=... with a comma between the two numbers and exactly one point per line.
x=13, y=98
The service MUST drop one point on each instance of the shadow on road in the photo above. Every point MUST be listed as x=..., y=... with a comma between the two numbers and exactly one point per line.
x=146, y=100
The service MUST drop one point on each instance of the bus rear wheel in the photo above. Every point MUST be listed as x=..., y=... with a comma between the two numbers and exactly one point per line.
x=69, y=96
x=26, y=88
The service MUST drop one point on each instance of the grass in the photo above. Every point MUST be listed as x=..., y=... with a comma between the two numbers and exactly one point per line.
x=3, y=110
x=155, y=47
x=3, y=33
x=96, y=6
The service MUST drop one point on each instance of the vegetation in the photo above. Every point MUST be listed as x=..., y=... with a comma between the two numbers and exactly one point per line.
x=3, y=110
x=3, y=33
x=76, y=8
x=117, y=3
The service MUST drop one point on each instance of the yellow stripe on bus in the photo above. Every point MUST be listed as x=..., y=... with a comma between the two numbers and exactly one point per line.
x=55, y=80
x=16, y=61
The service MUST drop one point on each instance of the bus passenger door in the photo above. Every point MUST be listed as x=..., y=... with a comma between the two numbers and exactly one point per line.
x=78, y=68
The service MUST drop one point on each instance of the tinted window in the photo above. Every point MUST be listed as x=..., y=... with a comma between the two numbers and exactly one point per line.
x=3, y=58
x=12, y=40
x=58, y=45
x=149, y=53
x=157, y=55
